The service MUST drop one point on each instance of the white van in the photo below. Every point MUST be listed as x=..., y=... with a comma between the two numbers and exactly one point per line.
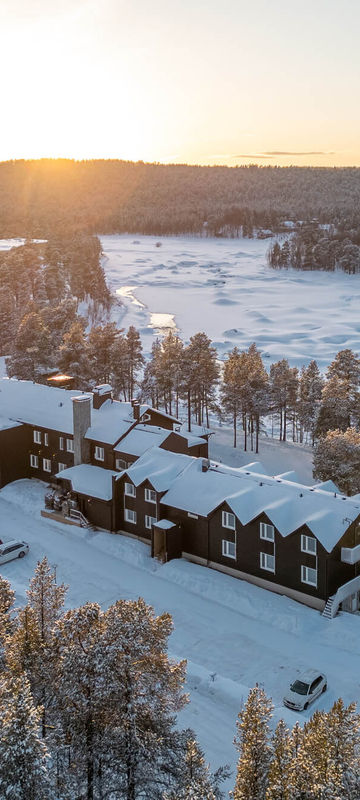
x=13, y=549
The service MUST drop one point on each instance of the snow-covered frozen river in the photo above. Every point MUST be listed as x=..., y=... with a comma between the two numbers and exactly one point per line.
x=225, y=288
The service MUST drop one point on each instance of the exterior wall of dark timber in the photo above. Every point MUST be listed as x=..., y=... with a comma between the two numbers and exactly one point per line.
x=14, y=459
x=51, y=451
x=157, y=418
x=125, y=456
x=338, y=572
x=195, y=538
x=138, y=504
x=108, y=462
x=98, y=512
x=178, y=444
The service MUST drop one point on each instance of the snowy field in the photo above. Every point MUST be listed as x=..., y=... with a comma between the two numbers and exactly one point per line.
x=232, y=633
x=225, y=288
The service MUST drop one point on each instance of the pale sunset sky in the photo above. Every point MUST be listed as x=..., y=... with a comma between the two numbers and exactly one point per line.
x=196, y=81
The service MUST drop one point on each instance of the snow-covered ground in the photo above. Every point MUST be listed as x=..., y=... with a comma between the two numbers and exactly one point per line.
x=225, y=288
x=232, y=633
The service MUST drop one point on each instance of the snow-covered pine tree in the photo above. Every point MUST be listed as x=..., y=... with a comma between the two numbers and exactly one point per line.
x=31, y=351
x=279, y=769
x=283, y=392
x=7, y=597
x=195, y=779
x=73, y=356
x=254, y=746
x=23, y=755
x=168, y=371
x=337, y=458
x=101, y=342
x=46, y=597
x=201, y=375
x=310, y=390
x=343, y=733
x=340, y=404
x=257, y=392
x=233, y=387
x=134, y=359
x=316, y=774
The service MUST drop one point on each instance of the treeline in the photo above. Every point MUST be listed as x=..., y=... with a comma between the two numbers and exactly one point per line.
x=88, y=711
x=40, y=197
x=315, y=247
x=320, y=761
x=89, y=702
x=51, y=280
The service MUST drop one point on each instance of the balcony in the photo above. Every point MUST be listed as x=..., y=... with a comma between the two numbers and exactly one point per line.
x=350, y=555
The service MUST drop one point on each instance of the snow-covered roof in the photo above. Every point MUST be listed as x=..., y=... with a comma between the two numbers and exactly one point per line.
x=248, y=493
x=141, y=439
x=160, y=467
x=165, y=524
x=327, y=486
x=6, y=424
x=36, y=404
x=110, y=422
x=90, y=480
x=196, y=430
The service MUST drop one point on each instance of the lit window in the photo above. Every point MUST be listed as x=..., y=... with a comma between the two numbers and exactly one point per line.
x=46, y=465
x=150, y=496
x=308, y=544
x=228, y=549
x=149, y=521
x=267, y=562
x=37, y=437
x=99, y=453
x=130, y=490
x=266, y=532
x=309, y=575
x=34, y=461
x=228, y=520
x=130, y=516
x=70, y=445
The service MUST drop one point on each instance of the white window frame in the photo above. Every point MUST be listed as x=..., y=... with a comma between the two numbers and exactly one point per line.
x=34, y=461
x=70, y=445
x=99, y=453
x=305, y=542
x=120, y=464
x=193, y=516
x=61, y=443
x=130, y=515
x=37, y=437
x=264, y=562
x=225, y=516
x=305, y=575
x=267, y=532
x=61, y=466
x=149, y=521
x=148, y=498
x=46, y=439
x=46, y=465
x=226, y=547
x=130, y=489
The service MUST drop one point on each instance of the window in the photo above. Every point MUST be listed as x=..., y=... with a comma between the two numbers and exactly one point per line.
x=150, y=496
x=267, y=562
x=46, y=465
x=308, y=545
x=149, y=521
x=61, y=443
x=37, y=437
x=266, y=532
x=309, y=575
x=130, y=490
x=120, y=464
x=228, y=549
x=34, y=461
x=70, y=445
x=130, y=516
x=99, y=453
x=228, y=520
x=61, y=466
x=46, y=439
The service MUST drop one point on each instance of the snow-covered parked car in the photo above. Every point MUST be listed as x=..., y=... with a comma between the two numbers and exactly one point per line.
x=307, y=687
x=13, y=549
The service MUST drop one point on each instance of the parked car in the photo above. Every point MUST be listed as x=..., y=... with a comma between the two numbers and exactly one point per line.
x=13, y=549
x=305, y=689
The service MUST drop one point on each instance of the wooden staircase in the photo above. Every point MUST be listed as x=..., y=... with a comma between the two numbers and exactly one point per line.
x=80, y=518
x=328, y=610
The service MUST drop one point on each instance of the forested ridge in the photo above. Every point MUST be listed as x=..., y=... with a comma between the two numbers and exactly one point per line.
x=112, y=196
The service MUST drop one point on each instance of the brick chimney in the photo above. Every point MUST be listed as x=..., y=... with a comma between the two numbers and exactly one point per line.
x=81, y=423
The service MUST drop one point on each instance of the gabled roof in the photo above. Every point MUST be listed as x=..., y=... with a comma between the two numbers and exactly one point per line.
x=90, y=480
x=141, y=439
x=160, y=467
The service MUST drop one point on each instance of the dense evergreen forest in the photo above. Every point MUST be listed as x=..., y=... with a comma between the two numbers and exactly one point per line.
x=108, y=196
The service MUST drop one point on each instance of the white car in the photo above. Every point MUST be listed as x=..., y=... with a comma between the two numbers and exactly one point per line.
x=13, y=549
x=305, y=689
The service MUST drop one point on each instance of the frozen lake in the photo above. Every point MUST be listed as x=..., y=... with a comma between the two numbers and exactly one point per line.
x=225, y=288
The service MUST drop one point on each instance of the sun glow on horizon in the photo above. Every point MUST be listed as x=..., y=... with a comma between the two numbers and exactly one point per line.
x=194, y=84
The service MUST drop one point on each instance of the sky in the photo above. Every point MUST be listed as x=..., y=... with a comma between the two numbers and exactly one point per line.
x=196, y=81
